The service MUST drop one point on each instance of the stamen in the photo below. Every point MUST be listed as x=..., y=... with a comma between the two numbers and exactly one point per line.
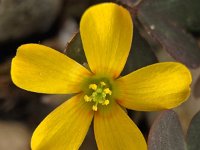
x=102, y=83
x=107, y=91
x=93, y=86
x=99, y=90
x=106, y=102
x=103, y=95
x=87, y=98
x=100, y=94
x=94, y=94
x=94, y=107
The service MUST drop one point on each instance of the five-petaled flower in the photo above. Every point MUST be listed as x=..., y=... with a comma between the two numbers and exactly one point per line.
x=106, y=31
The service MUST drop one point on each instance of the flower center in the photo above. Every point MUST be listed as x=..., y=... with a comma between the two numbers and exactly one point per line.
x=100, y=94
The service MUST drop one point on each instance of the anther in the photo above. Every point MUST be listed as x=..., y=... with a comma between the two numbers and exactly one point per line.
x=102, y=83
x=93, y=86
x=100, y=95
x=107, y=91
x=94, y=107
x=106, y=102
x=87, y=98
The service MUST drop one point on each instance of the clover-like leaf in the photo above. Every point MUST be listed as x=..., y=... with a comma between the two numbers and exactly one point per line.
x=166, y=133
x=130, y=3
x=193, y=134
x=183, y=12
x=196, y=89
x=140, y=54
x=179, y=44
x=74, y=49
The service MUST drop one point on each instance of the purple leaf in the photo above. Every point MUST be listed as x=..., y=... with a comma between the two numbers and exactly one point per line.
x=166, y=133
x=179, y=44
x=193, y=134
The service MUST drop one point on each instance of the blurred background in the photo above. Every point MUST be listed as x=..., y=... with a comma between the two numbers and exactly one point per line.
x=165, y=30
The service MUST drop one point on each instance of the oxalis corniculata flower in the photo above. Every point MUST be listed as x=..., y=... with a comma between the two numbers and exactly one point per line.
x=106, y=32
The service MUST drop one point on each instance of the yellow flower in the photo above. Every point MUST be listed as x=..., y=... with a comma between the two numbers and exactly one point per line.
x=106, y=32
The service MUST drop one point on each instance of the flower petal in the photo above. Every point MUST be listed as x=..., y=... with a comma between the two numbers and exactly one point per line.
x=155, y=87
x=64, y=128
x=41, y=69
x=115, y=130
x=106, y=32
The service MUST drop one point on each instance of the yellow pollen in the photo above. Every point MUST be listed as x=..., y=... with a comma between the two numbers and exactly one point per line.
x=94, y=108
x=106, y=102
x=100, y=94
x=93, y=86
x=107, y=91
x=87, y=98
x=102, y=83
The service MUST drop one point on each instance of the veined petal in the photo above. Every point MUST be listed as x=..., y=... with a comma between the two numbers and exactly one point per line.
x=64, y=128
x=114, y=130
x=41, y=69
x=106, y=31
x=155, y=87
